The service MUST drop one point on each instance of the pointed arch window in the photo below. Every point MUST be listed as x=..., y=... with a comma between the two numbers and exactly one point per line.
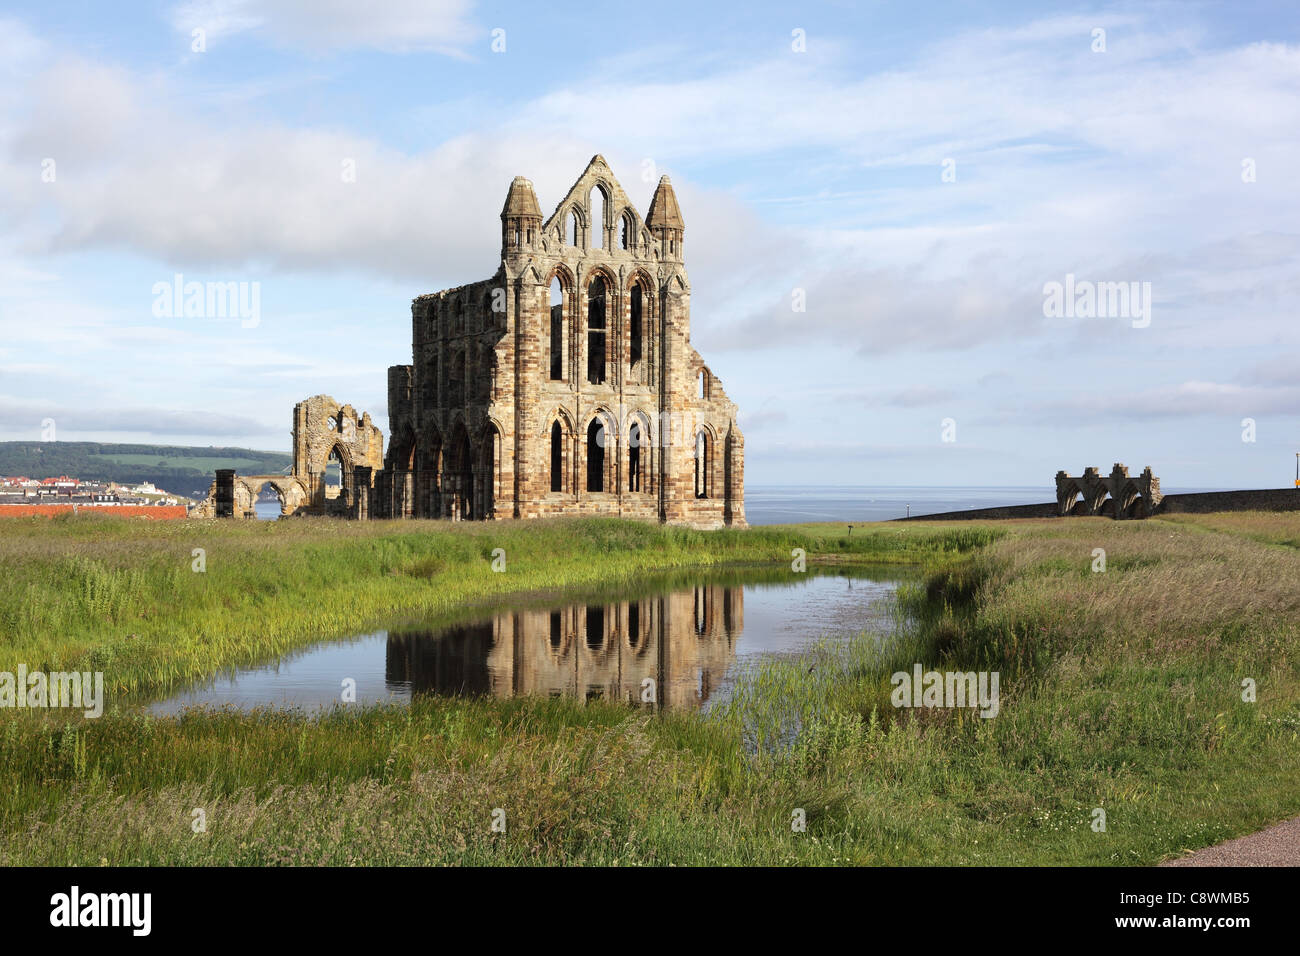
x=596, y=331
x=557, y=457
x=596, y=455
x=335, y=473
x=634, y=458
x=635, y=328
x=703, y=465
x=557, y=330
x=596, y=202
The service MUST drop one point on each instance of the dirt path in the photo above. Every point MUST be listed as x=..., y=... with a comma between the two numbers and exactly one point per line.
x=1277, y=846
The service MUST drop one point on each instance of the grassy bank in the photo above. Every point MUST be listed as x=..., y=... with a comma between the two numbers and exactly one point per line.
x=1120, y=691
x=100, y=593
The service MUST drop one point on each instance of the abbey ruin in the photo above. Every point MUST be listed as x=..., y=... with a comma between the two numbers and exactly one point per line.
x=565, y=384
x=1116, y=494
x=323, y=432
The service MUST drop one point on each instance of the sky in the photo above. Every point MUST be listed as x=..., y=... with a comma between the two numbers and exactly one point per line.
x=878, y=197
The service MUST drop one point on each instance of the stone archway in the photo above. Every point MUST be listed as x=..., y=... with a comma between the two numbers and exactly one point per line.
x=458, y=476
x=323, y=428
x=490, y=461
x=293, y=493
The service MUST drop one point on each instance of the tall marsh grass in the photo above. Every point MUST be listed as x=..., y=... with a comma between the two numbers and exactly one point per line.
x=1121, y=691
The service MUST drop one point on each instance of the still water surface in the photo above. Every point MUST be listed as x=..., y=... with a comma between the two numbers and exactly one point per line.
x=689, y=641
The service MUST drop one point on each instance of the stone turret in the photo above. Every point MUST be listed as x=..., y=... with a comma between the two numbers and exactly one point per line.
x=665, y=220
x=521, y=218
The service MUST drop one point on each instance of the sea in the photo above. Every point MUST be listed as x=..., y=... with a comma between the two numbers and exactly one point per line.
x=793, y=504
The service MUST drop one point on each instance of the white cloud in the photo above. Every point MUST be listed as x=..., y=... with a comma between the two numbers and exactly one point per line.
x=793, y=172
x=394, y=26
x=146, y=177
x=1185, y=400
x=149, y=174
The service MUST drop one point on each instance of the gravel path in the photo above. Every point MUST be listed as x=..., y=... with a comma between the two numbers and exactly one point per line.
x=1277, y=846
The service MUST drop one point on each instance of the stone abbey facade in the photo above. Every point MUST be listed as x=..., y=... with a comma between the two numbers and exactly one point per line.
x=566, y=383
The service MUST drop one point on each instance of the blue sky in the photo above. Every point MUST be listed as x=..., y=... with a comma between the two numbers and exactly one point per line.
x=817, y=169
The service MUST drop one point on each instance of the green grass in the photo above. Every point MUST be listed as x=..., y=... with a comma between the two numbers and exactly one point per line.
x=102, y=593
x=1119, y=691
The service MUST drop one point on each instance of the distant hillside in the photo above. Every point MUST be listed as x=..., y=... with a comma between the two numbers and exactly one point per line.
x=180, y=470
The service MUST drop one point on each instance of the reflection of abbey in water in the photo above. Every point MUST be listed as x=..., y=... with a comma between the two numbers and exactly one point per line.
x=683, y=641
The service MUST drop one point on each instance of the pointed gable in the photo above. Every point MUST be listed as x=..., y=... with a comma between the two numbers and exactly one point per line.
x=596, y=173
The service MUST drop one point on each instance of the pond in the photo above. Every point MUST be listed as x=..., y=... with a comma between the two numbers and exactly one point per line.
x=674, y=645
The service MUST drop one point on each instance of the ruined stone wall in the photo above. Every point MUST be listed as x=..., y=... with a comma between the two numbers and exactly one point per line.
x=322, y=428
x=1117, y=494
x=473, y=415
x=1264, y=499
x=1047, y=509
x=1204, y=502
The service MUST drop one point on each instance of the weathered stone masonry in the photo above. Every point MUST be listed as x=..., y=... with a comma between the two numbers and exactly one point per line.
x=521, y=402
x=1116, y=494
x=323, y=430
